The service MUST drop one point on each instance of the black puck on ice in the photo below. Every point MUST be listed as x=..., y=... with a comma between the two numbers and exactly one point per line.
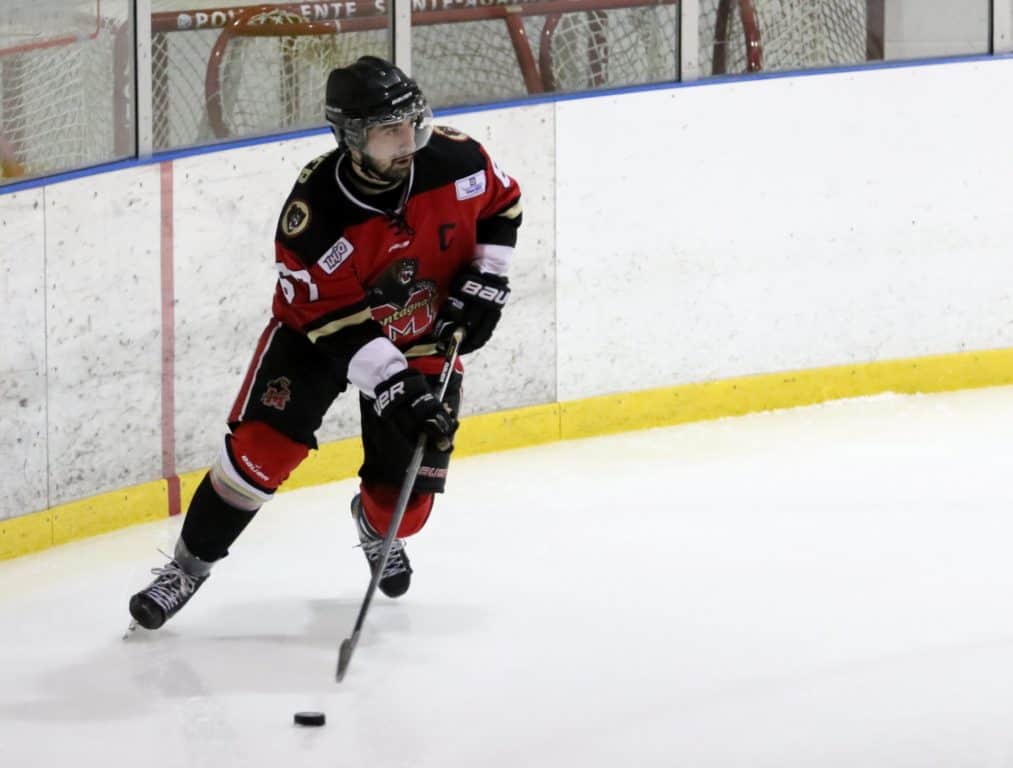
x=309, y=718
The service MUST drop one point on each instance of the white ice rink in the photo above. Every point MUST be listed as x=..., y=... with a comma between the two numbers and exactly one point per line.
x=830, y=586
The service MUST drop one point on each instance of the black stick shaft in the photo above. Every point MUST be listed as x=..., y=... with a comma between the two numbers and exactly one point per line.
x=349, y=643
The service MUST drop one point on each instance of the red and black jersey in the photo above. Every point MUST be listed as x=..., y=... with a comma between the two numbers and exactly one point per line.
x=353, y=267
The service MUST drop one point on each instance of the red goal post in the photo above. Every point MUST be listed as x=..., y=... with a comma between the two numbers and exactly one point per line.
x=65, y=85
x=265, y=66
x=66, y=97
x=223, y=72
x=765, y=35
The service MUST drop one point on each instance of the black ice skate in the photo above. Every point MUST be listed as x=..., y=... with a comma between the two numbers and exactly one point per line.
x=174, y=585
x=397, y=576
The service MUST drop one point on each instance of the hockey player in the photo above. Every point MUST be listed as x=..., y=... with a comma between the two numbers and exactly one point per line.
x=383, y=247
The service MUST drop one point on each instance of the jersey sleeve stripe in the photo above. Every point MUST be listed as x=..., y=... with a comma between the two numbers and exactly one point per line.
x=512, y=211
x=334, y=326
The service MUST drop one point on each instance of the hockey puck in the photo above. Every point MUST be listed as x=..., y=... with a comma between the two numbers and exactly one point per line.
x=309, y=718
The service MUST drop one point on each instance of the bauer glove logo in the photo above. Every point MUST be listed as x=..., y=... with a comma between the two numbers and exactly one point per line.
x=488, y=293
x=387, y=396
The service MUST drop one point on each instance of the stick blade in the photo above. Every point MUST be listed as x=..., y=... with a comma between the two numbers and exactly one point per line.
x=345, y=655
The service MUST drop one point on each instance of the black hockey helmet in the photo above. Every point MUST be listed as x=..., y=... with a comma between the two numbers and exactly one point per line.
x=374, y=92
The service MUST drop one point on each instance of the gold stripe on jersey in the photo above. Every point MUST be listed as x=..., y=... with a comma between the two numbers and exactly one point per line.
x=512, y=212
x=336, y=325
x=423, y=350
x=450, y=133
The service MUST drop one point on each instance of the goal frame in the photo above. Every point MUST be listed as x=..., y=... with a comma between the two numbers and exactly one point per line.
x=536, y=73
x=122, y=137
x=752, y=34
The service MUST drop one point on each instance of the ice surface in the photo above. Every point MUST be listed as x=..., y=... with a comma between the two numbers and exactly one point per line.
x=830, y=586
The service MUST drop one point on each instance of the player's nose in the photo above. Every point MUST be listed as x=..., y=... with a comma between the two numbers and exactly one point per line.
x=406, y=135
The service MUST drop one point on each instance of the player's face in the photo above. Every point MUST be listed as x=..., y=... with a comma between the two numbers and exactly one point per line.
x=390, y=147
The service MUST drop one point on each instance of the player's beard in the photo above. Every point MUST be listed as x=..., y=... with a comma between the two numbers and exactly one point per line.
x=395, y=171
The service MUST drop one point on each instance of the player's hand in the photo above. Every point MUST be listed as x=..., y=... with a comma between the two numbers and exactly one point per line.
x=475, y=302
x=407, y=400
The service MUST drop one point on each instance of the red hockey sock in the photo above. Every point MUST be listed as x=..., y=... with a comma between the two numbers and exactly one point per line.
x=378, y=502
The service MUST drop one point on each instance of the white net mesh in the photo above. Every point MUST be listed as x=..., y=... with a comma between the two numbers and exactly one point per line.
x=610, y=47
x=62, y=101
x=40, y=21
x=271, y=83
x=179, y=63
x=275, y=83
x=65, y=66
x=615, y=48
x=262, y=79
x=792, y=34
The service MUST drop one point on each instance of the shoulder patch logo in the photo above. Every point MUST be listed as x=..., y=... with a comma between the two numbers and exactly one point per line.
x=449, y=133
x=335, y=256
x=470, y=186
x=296, y=218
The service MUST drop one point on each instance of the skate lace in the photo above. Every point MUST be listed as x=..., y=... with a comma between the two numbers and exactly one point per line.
x=172, y=586
x=395, y=562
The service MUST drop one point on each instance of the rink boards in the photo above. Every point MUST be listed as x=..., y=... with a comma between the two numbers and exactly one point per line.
x=687, y=253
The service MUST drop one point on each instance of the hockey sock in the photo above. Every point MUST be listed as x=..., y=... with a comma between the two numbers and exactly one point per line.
x=211, y=525
x=378, y=502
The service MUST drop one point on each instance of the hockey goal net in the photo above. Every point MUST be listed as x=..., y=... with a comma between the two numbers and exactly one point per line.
x=246, y=70
x=764, y=35
x=63, y=101
x=66, y=65
x=243, y=71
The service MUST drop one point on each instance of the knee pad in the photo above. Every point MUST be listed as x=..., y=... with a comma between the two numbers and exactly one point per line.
x=255, y=459
x=378, y=502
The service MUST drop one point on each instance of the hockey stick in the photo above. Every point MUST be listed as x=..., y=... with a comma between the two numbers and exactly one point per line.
x=349, y=643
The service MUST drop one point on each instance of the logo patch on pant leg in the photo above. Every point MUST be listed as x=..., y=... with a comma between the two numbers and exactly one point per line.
x=278, y=393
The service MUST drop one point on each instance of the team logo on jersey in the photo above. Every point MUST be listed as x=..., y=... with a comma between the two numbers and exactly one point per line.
x=405, y=269
x=296, y=218
x=412, y=318
x=335, y=256
x=395, y=284
x=278, y=393
x=449, y=133
x=402, y=305
x=470, y=186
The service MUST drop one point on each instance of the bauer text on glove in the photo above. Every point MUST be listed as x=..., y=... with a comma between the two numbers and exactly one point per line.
x=407, y=400
x=475, y=302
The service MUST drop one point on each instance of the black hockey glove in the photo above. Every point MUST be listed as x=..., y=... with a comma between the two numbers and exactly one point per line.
x=408, y=402
x=475, y=301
